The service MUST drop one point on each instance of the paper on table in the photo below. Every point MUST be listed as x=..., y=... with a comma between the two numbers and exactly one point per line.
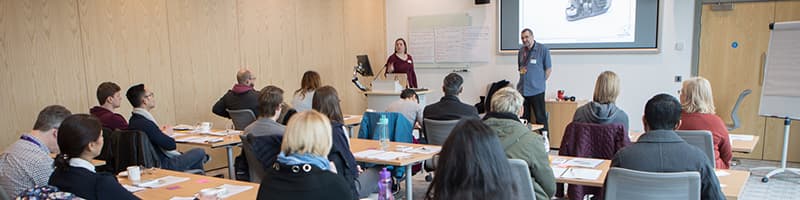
x=558, y=171
x=581, y=173
x=424, y=150
x=721, y=173
x=161, y=182
x=584, y=162
x=182, y=127
x=380, y=155
x=741, y=137
x=231, y=190
x=131, y=188
x=174, y=135
x=365, y=153
x=558, y=161
x=200, y=139
x=181, y=198
x=225, y=132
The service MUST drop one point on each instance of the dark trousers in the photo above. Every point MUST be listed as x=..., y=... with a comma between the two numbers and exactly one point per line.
x=535, y=102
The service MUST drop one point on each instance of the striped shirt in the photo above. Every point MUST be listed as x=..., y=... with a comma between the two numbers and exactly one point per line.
x=24, y=165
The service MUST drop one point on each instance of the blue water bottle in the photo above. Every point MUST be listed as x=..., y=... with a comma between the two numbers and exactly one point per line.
x=385, y=185
x=383, y=132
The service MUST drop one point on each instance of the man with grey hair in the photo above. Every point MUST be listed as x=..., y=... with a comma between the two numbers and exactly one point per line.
x=519, y=141
x=241, y=96
x=27, y=162
x=450, y=107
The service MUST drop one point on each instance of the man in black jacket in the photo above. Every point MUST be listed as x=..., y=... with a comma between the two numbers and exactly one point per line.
x=142, y=100
x=660, y=149
x=450, y=107
x=241, y=96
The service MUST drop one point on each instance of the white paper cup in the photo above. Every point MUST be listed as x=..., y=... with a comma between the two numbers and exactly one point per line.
x=134, y=173
x=205, y=126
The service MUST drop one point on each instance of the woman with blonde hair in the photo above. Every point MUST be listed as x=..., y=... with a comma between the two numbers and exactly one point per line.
x=308, y=85
x=602, y=109
x=302, y=170
x=697, y=105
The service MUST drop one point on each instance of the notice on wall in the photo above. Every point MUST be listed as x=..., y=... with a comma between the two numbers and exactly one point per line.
x=456, y=44
x=422, y=46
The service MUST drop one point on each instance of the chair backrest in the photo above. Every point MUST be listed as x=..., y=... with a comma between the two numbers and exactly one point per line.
x=701, y=139
x=256, y=169
x=735, y=110
x=593, y=140
x=133, y=148
x=241, y=118
x=437, y=131
x=107, y=152
x=624, y=184
x=523, y=179
x=400, y=129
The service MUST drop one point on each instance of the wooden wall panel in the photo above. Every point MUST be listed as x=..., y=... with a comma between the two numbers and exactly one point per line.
x=40, y=62
x=731, y=70
x=205, y=56
x=784, y=11
x=127, y=42
x=268, y=41
x=365, y=33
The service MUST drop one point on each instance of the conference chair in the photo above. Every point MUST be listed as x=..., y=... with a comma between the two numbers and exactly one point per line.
x=107, y=153
x=522, y=178
x=133, y=148
x=625, y=184
x=590, y=140
x=254, y=166
x=701, y=139
x=436, y=132
x=735, y=110
x=241, y=118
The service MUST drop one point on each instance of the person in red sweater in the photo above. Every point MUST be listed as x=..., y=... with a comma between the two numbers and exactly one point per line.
x=109, y=98
x=697, y=103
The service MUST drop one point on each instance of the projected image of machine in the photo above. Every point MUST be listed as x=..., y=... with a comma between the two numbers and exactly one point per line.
x=580, y=9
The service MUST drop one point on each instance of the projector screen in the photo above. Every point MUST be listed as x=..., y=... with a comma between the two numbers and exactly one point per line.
x=580, y=24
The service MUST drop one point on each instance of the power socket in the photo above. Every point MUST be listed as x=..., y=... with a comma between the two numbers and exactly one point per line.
x=678, y=78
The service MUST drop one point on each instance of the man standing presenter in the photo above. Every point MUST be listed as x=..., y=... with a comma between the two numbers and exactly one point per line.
x=534, y=70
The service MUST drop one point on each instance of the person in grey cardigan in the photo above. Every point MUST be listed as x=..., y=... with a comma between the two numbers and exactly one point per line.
x=519, y=142
x=269, y=101
x=602, y=109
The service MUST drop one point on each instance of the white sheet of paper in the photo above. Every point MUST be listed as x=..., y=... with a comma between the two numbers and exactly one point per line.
x=231, y=190
x=581, y=173
x=131, y=188
x=161, y=182
x=584, y=162
x=721, y=173
x=366, y=153
x=741, y=137
x=558, y=171
x=181, y=198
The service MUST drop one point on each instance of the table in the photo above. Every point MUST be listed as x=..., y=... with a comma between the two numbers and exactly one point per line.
x=561, y=113
x=187, y=188
x=358, y=145
x=229, y=142
x=741, y=146
x=379, y=100
x=596, y=183
x=732, y=184
x=94, y=162
x=351, y=121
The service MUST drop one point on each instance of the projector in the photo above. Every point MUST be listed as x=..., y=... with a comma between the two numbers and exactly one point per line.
x=581, y=9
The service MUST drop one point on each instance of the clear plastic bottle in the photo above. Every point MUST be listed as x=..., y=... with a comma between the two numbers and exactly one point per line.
x=383, y=132
x=385, y=185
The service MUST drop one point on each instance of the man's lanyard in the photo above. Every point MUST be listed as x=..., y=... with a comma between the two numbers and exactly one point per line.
x=30, y=139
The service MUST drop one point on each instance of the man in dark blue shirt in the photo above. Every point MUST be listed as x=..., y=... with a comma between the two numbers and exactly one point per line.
x=534, y=70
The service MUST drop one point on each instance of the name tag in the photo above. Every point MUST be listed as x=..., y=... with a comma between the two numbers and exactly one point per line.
x=533, y=61
x=409, y=62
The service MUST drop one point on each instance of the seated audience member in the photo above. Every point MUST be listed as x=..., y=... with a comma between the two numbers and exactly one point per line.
x=241, y=96
x=519, y=141
x=80, y=140
x=269, y=103
x=697, y=103
x=602, y=109
x=143, y=100
x=302, y=170
x=408, y=105
x=326, y=101
x=109, y=97
x=472, y=165
x=450, y=107
x=660, y=149
x=303, y=96
x=27, y=162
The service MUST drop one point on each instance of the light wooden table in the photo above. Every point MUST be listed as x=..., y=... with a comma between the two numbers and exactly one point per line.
x=561, y=113
x=187, y=188
x=351, y=121
x=596, y=183
x=228, y=142
x=732, y=184
x=740, y=146
x=359, y=145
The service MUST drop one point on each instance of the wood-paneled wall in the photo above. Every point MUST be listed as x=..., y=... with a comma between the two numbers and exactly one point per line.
x=186, y=51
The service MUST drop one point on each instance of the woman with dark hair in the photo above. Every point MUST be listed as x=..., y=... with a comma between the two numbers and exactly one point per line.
x=80, y=140
x=302, y=97
x=472, y=165
x=401, y=62
x=326, y=101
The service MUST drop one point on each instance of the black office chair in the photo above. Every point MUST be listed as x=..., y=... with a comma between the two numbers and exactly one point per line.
x=241, y=118
x=734, y=115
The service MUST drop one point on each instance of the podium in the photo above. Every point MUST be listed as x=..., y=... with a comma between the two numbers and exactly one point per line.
x=379, y=100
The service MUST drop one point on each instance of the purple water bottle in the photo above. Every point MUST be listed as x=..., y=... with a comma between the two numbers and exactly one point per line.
x=385, y=185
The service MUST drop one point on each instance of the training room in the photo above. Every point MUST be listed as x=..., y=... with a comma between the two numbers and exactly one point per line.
x=400, y=99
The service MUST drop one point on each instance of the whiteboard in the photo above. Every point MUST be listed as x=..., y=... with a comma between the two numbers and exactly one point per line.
x=447, y=39
x=780, y=94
